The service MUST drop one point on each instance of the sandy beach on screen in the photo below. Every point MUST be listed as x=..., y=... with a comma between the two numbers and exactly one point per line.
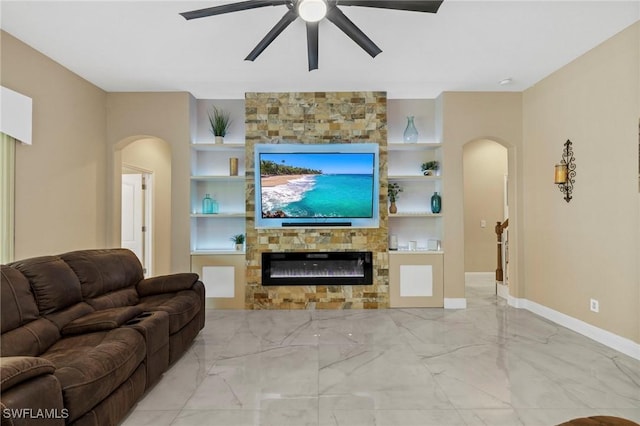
x=278, y=180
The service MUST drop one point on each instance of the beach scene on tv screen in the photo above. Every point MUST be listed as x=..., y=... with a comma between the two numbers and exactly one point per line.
x=316, y=185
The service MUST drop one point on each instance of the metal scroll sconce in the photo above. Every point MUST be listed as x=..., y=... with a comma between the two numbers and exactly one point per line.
x=565, y=172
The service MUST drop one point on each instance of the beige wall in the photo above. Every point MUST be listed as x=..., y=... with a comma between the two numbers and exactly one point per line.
x=166, y=116
x=67, y=192
x=468, y=116
x=587, y=248
x=154, y=156
x=60, y=179
x=484, y=167
x=67, y=182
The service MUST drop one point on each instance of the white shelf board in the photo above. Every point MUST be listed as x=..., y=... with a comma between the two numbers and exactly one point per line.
x=214, y=252
x=402, y=146
x=220, y=178
x=414, y=177
x=413, y=214
x=209, y=146
x=413, y=252
x=219, y=215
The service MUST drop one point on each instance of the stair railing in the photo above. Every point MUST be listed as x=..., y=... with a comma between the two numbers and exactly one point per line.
x=500, y=227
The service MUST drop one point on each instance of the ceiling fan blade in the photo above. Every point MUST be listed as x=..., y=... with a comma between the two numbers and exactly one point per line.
x=411, y=5
x=283, y=23
x=312, y=45
x=349, y=28
x=231, y=7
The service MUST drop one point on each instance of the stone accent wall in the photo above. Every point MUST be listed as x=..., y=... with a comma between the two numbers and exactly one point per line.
x=316, y=118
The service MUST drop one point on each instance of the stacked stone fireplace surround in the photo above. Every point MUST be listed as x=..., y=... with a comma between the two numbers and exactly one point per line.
x=316, y=118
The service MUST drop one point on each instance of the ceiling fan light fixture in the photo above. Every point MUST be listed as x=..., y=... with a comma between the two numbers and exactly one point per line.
x=312, y=10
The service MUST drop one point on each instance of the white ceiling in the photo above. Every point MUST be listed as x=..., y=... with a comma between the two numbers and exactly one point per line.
x=466, y=46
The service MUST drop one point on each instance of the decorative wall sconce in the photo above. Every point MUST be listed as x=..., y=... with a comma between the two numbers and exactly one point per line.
x=565, y=172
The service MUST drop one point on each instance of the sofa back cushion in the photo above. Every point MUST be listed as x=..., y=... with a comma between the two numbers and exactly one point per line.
x=52, y=281
x=24, y=331
x=18, y=306
x=104, y=271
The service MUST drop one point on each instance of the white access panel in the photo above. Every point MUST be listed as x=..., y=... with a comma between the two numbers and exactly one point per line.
x=416, y=280
x=219, y=281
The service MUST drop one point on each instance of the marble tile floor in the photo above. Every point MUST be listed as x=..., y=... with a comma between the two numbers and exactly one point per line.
x=489, y=364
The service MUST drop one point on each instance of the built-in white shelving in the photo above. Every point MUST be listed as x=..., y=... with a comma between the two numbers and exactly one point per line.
x=211, y=174
x=214, y=257
x=414, y=220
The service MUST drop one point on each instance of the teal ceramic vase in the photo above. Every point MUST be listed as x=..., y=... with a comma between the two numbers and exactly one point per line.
x=436, y=203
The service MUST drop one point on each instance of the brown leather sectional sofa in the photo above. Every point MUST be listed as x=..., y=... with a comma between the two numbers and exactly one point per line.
x=84, y=334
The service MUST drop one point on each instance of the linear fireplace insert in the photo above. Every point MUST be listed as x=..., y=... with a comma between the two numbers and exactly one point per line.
x=317, y=268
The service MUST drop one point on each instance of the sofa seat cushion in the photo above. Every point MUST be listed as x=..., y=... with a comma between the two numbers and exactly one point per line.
x=115, y=299
x=31, y=339
x=91, y=366
x=182, y=307
x=106, y=319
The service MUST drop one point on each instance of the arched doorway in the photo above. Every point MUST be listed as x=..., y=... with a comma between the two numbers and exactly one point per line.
x=486, y=203
x=147, y=157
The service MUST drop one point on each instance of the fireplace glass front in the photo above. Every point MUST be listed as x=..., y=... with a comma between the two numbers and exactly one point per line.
x=317, y=268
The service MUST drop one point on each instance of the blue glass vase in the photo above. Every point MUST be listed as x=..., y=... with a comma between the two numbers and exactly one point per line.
x=209, y=205
x=410, y=132
x=436, y=203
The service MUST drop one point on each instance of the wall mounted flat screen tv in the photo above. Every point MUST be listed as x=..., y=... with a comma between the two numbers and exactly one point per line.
x=312, y=185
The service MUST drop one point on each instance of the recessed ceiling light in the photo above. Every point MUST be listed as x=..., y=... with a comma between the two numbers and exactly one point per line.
x=505, y=81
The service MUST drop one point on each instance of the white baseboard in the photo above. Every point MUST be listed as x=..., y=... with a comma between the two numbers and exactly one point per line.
x=503, y=291
x=619, y=343
x=458, y=303
x=516, y=303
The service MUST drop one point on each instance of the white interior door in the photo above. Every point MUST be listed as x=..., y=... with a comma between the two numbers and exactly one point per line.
x=133, y=214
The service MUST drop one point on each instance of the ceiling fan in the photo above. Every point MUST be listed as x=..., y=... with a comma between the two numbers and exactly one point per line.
x=313, y=11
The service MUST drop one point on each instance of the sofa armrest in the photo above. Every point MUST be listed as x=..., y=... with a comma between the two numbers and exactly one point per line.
x=106, y=319
x=17, y=369
x=166, y=284
x=31, y=393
